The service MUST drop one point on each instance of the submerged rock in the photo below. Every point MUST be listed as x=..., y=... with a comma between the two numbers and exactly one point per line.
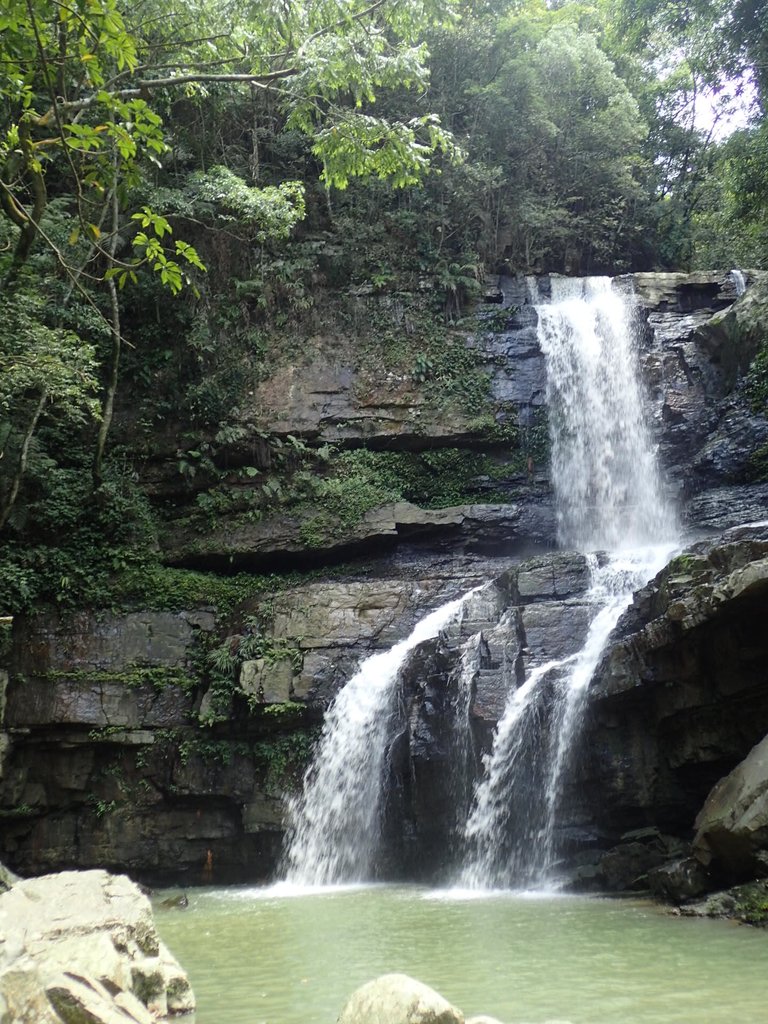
x=82, y=947
x=398, y=999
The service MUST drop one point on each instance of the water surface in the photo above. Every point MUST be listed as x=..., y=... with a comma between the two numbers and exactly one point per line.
x=256, y=956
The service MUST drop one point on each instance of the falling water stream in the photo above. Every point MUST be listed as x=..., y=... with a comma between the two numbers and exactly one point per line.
x=609, y=498
x=335, y=821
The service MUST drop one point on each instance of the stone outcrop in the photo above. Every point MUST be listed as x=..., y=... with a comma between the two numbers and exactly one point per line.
x=732, y=826
x=679, y=701
x=398, y=999
x=82, y=947
x=470, y=529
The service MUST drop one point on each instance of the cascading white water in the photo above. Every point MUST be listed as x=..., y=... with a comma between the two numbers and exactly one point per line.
x=609, y=497
x=613, y=585
x=334, y=823
x=461, y=745
x=739, y=281
x=501, y=793
x=604, y=472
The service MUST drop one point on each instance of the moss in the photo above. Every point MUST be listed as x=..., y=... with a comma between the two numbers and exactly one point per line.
x=404, y=336
x=364, y=480
x=756, y=381
x=746, y=903
x=6, y=636
x=162, y=588
x=751, y=904
x=160, y=677
x=286, y=757
x=757, y=470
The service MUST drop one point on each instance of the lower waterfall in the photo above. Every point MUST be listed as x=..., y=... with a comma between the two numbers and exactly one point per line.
x=510, y=834
x=611, y=506
x=335, y=821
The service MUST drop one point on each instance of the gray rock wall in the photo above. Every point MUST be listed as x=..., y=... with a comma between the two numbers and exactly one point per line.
x=105, y=761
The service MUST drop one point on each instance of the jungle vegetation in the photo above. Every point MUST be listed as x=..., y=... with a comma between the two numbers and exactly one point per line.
x=186, y=185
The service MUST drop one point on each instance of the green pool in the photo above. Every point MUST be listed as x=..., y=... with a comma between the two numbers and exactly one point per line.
x=256, y=956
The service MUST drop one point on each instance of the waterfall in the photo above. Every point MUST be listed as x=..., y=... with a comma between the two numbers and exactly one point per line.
x=609, y=497
x=739, y=282
x=508, y=790
x=604, y=473
x=334, y=823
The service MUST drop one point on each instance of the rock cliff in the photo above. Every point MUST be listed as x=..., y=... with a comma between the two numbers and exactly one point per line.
x=161, y=742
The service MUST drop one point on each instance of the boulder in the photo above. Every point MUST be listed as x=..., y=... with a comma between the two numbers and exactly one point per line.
x=679, y=880
x=82, y=947
x=746, y=903
x=732, y=826
x=626, y=866
x=398, y=999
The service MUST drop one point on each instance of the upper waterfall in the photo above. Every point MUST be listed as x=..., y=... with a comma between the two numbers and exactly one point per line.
x=604, y=473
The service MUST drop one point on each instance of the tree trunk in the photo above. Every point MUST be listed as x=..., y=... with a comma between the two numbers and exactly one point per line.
x=108, y=403
x=22, y=463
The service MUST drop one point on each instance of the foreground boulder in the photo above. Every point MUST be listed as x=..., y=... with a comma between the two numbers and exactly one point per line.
x=732, y=826
x=398, y=999
x=81, y=948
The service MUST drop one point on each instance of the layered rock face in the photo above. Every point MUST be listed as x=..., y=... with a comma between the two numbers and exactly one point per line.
x=679, y=702
x=123, y=754
x=105, y=760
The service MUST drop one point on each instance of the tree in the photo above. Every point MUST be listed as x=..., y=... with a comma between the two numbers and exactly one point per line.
x=41, y=368
x=85, y=79
x=692, y=66
x=539, y=106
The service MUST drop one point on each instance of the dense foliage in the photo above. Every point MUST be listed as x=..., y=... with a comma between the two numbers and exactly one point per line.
x=190, y=190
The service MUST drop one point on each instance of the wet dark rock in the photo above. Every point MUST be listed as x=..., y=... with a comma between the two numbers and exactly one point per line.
x=559, y=575
x=626, y=867
x=746, y=903
x=724, y=507
x=680, y=699
x=679, y=880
